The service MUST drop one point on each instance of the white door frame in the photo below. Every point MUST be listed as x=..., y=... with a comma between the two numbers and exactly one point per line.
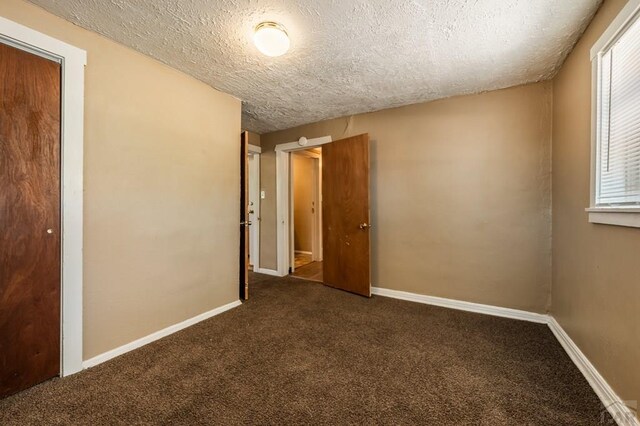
x=317, y=205
x=292, y=217
x=283, y=197
x=254, y=230
x=73, y=61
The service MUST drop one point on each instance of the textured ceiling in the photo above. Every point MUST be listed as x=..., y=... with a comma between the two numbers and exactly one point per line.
x=347, y=56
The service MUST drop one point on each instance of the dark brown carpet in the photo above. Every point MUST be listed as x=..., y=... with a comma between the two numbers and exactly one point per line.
x=299, y=352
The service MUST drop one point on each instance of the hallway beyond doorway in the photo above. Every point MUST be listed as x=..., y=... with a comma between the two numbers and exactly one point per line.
x=311, y=271
x=306, y=267
x=302, y=258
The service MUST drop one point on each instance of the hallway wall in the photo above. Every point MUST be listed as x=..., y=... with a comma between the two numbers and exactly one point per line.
x=303, y=202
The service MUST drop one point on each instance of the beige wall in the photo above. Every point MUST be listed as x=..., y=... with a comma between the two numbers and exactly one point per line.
x=303, y=199
x=471, y=175
x=161, y=189
x=254, y=139
x=460, y=192
x=596, y=268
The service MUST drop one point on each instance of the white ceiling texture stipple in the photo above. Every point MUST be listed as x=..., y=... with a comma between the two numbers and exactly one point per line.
x=347, y=56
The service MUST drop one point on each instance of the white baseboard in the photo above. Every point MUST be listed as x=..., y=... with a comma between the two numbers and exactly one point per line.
x=157, y=335
x=463, y=306
x=616, y=407
x=622, y=414
x=267, y=272
x=303, y=252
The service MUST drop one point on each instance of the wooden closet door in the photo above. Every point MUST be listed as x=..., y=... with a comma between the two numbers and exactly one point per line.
x=29, y=219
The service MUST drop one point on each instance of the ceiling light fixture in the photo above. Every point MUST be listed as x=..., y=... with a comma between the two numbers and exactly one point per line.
x=271, y=39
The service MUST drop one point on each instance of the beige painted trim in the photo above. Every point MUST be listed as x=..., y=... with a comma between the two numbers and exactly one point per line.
x=73, y=61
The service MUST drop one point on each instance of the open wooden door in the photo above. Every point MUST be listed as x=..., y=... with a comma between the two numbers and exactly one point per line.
x=244, y=216
x=345, y=215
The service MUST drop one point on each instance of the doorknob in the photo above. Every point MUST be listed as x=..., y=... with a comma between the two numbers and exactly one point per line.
x=365, y=226
x=247, y=223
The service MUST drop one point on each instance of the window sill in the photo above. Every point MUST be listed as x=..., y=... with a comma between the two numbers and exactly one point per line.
x=618, y=216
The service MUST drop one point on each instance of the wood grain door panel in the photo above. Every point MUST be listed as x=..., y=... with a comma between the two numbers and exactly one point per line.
x=345, y=207
x=29, y=206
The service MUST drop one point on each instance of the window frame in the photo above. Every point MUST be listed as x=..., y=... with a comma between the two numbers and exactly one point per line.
x=621, y=215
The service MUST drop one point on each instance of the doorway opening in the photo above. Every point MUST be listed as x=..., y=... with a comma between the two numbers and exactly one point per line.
x=285, y=207
x=305, y=218
x=343, y=200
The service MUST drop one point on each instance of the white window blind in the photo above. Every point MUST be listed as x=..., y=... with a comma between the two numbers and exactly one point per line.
x=618, y=178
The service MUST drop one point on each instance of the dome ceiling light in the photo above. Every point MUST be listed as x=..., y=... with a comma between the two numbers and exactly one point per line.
x=271, y=39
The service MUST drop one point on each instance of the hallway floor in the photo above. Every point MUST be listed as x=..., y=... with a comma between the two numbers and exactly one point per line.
x=311, y=271
x=301, y=259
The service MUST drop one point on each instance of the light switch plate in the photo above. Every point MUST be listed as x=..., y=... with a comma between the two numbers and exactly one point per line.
x=262, y=195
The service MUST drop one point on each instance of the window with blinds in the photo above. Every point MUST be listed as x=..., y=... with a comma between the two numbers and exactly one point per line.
x=618, y=140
